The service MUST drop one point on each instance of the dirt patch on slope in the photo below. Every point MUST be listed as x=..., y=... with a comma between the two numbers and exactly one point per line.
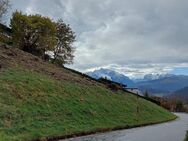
x=11, y=57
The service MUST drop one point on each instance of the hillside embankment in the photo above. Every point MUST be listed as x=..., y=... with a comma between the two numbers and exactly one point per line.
x=39, y=100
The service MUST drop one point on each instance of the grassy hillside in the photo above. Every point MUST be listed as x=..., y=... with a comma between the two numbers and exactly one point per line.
x=40, y=100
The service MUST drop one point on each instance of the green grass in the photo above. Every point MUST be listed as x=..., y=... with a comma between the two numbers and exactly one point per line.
x=35, y=106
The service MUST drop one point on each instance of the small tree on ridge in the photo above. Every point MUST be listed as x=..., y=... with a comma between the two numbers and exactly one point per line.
x=63, y=52
x=34, y=33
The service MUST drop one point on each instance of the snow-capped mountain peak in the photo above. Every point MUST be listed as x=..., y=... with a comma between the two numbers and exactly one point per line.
x=112, y=75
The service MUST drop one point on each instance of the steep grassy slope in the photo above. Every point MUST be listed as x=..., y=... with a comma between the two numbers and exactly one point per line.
x=40, y=100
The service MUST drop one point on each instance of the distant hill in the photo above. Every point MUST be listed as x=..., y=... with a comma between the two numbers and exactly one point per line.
x=165, y=85
x=181, y=94
x=112, y=75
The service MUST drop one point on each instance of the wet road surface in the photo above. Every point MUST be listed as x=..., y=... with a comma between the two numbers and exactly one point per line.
x=170, y=131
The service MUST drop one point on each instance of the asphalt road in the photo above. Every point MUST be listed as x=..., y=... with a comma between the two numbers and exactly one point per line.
x=170, y=131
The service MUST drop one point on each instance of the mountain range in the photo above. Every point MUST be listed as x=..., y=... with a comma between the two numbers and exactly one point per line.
x=155, y=84
x=112, y=75
x=165, y=85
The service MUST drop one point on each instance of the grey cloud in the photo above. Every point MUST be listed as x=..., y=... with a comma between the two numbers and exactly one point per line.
x=122, y=32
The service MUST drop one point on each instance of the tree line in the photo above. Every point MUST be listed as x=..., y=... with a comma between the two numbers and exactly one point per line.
x=39, y=34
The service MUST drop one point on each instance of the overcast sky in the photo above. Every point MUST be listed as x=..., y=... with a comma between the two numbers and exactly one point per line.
x=134, y=37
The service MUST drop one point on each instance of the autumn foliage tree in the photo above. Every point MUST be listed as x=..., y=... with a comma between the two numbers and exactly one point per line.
x=34, y=33
x=37, y=35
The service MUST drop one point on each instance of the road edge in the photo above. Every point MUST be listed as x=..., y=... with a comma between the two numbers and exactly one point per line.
x=101, y=130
